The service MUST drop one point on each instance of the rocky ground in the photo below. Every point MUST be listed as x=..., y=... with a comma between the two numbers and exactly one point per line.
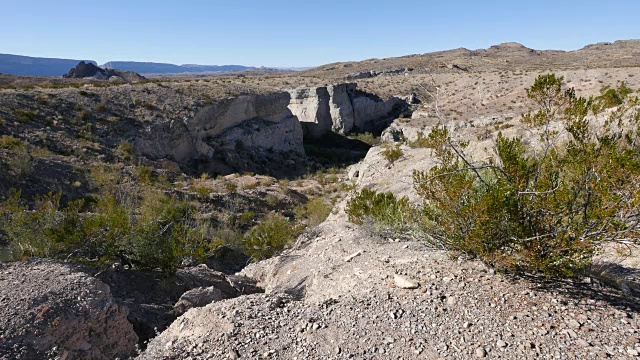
x=346, y=293
x=54, y=311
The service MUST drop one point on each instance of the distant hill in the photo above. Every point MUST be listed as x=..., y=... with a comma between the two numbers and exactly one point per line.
x=35, y=66
x=503, y=57
x=161, y=68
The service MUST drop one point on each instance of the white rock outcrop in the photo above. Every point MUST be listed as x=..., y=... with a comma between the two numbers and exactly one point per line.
x=341, y=108
x=234, y=134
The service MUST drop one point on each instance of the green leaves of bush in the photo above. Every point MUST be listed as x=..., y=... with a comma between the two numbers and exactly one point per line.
x=269, y=237
x=548, y=210
x=385, y=211
x=156, y=231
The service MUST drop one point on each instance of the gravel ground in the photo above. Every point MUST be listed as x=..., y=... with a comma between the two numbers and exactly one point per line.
x=50, y=310
x=344, y=295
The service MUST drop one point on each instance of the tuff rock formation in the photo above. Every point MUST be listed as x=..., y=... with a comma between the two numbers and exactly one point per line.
x=245, y=133
x=341, y=108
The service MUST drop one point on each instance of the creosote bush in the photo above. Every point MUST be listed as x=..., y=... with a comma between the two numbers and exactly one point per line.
x=546, y=209
x=392, y=153
x=384, y=210
x=269, y=237
x=155, y=231
x=314, y=212
x=9, y=142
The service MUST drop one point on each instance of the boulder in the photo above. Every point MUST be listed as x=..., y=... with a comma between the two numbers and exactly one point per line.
x=54, y=310
x=197, y=297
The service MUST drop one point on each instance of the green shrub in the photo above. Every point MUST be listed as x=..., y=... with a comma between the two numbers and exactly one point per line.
x=124, y=149
x=612, y=97
x=392, y=153
x=384, y=210
x=10, y=143
x=25, y=115
x=547, y=210
x=315, y=211
x=101, y=108
x=269, y=237
x=231, y=187
x=203, y=192
x=20, y=161
x=420, y=142
x=144, y=174
x=154, y=231
x=366, y=137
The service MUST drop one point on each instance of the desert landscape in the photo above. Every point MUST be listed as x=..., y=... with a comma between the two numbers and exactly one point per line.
x=356, y=210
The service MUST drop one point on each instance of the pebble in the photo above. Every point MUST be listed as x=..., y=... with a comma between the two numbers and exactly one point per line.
x=404, y=283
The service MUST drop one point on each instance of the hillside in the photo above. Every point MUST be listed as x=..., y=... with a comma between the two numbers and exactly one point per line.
x=506, y=56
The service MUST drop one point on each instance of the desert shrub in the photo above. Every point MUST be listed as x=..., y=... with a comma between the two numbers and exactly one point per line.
x=25, y=115
x=269, y=237
x=245, y=219
x=384, y=210
x=203, y=192
x=547, y=210
x=144, y=174
x=19, y=160
x=612, y=97
x=124, y=149
x=231, y=187
x=156, y=232
x=10, y=143
x=432, y=139
x=314, y=212
x=392, y=153
x=366, y=137
x=82, y=116
x=101, y=108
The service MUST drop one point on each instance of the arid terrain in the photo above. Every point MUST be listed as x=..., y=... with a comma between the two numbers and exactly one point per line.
x=232, y=194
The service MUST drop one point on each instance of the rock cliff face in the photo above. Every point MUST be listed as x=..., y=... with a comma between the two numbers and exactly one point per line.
x=264, y=133
x=311, y=107
x=245, y=133
x=341, y=108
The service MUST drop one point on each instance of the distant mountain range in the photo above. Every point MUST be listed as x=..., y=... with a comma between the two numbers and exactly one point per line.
x=160, y=68
x=31, y=66
x=35, y=66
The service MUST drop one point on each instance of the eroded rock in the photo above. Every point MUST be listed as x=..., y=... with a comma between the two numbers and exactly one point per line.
x=54, y=310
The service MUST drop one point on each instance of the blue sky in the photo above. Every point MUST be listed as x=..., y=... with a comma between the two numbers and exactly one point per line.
x=302, y=32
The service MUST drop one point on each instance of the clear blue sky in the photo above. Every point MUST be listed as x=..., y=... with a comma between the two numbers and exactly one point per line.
x=302, y=32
